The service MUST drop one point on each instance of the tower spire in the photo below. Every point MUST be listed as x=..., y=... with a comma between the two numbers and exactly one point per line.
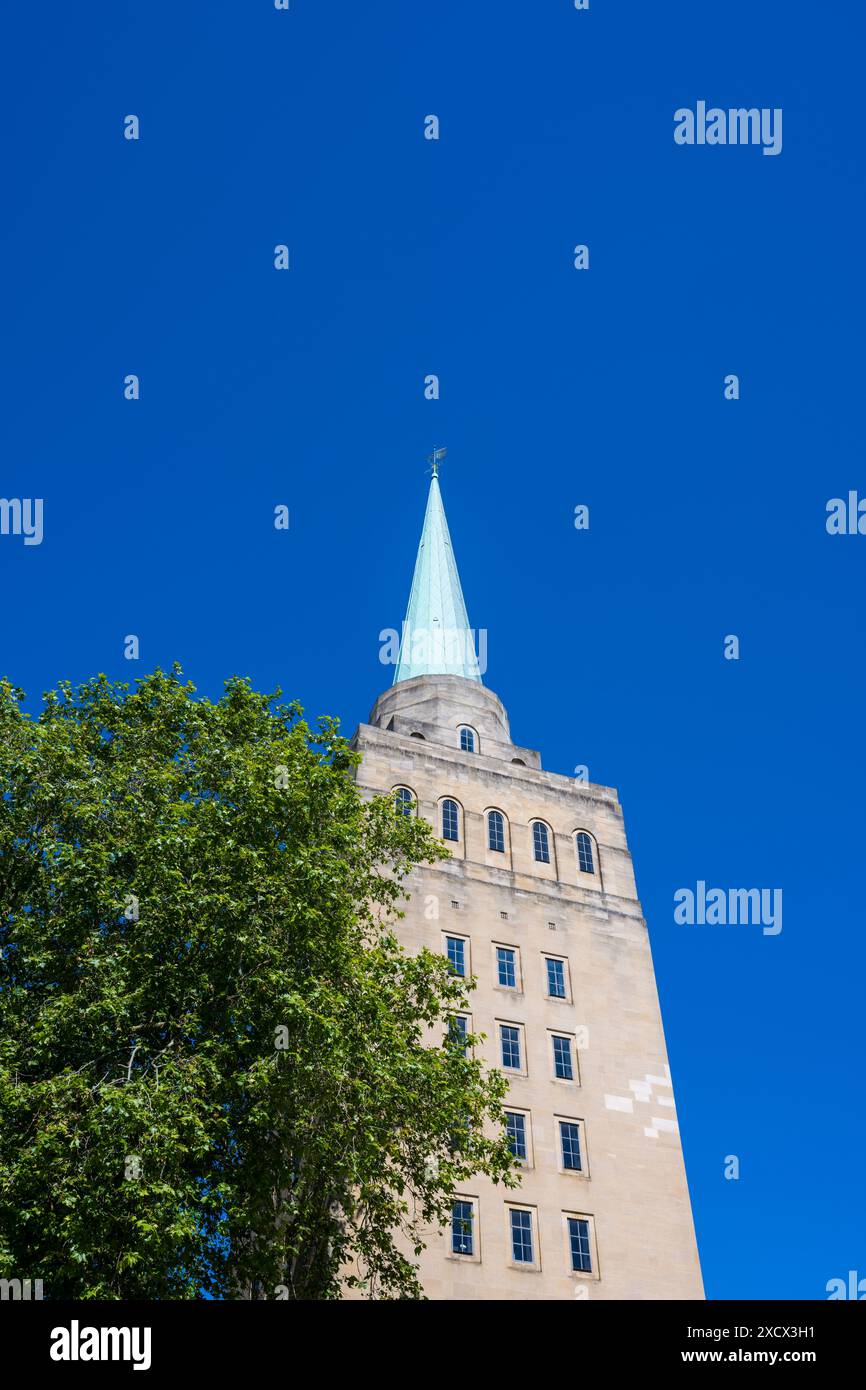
x=437, y=639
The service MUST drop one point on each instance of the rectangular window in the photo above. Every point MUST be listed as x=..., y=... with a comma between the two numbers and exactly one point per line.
x=556, y=978
x=506, y=966
x=462, y=1228
x=509, y=1037
x=521, y=1236
x=456, y=948
x=563, y=1064
x=458, y=1028
x=578, y=1243
x=515, y=1128
x=569, y=1138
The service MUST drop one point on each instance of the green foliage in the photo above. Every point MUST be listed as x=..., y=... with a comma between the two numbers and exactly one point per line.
x=216, y=1074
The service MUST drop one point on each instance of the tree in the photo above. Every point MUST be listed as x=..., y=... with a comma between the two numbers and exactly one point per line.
x=217, y=1071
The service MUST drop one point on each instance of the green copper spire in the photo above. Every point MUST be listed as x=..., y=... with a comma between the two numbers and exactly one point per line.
x=436, y=639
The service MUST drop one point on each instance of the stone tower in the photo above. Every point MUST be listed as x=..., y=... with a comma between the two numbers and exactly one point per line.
x=538, y=902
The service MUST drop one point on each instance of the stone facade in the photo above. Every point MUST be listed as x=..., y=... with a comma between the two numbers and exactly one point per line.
x=630, y=1189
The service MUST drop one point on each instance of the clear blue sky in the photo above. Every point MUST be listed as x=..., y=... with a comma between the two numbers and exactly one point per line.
x=557, y=388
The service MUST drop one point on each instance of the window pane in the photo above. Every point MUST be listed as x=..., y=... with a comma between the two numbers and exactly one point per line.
x=556, y=979
x=403, y=801
x=506, y=967
x=570, y=1139
x=521, y=1236
x=456, y=954
x=496, y=832
x=584, y=853
x=510, y=1041
x=467, y=740
x=515, y=1128
x=578, y=1239
x=462, y=1235
x=541, y=843
x=450, y=821
x=563, y=1069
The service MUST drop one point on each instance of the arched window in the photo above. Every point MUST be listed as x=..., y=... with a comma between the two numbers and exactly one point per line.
x=403, y=800
x=467, y=740
x=584, y=853
x=496, y=831
x=450, y=821
x=541, y=842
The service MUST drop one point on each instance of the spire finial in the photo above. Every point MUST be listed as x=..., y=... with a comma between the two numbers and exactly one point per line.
x=433, y=460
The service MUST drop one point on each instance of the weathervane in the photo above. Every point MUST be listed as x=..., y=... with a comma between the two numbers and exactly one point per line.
x=433, y=460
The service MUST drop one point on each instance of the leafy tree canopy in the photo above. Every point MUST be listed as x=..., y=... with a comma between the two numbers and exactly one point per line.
x=216, y=1070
